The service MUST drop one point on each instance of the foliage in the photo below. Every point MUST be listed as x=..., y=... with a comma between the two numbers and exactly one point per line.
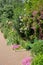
x=31, y=26
x=13, y=38
x=38, y=60
x=28, y=45
x=21, y=21
x=8, y=11
x=37, y=47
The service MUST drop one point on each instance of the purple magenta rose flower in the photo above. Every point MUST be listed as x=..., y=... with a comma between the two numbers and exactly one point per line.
x=27, y=61
x=15, y=46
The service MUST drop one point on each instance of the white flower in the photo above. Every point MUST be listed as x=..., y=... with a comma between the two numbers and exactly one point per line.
x=25, y=28
x=20, y=23
x=20, y=17
x=24, y=9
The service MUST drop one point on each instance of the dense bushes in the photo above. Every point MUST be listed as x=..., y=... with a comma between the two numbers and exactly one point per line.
x=13, y=37
x=21, y=21
x=31, y=26
x=37, y=47
x=8, y=11
x=28, y=45
x=38, y=60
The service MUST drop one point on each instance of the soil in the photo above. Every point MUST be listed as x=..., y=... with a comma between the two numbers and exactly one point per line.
x=9, y=56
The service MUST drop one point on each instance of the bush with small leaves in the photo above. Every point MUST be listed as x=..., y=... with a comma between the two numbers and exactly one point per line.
x=37, y=60
x=37, y=47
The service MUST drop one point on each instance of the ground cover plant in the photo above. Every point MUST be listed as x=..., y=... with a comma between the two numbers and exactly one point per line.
x=37, y=47
x=38, y=60
x=21, y=21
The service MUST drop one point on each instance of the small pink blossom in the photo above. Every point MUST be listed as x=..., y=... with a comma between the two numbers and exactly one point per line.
x=15, y=46
x=24, y=62
x=27, y=61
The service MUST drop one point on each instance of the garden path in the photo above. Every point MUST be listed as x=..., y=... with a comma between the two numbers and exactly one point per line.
x=8, y=56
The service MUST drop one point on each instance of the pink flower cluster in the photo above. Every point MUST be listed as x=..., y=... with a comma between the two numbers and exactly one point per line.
x=27, y=61
x=15, y=46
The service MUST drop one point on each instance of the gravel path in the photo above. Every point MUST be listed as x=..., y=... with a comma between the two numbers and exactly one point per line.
x=8, y=56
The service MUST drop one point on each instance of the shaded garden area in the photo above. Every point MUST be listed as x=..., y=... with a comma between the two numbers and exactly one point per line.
x=21, y=22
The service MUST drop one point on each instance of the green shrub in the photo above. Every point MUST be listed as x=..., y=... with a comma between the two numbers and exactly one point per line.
x=13, y=38
x=5, y=31
x=37, y=47
x=38, y=60
x=30, y=26
x=27, y=20
x=8, y=11
x=1, y=11
x=28, y=45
